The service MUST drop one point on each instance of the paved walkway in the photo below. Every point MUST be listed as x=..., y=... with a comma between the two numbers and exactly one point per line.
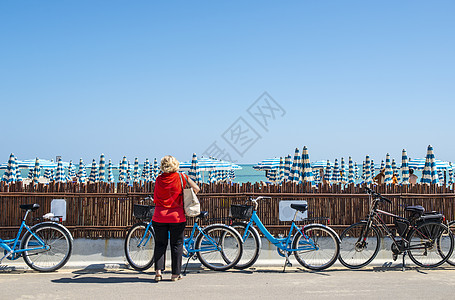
x=260, y=283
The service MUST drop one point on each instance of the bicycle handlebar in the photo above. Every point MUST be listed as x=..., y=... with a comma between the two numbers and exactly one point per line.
x=377, y=195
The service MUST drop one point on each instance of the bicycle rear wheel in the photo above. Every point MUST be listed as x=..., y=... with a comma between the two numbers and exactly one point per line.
x=318, y=247
x=58, y=246
x=251, y=245
x=430, y=244
x=140, y=246
x=451, y=259
x=219, y=247
x=358, y=249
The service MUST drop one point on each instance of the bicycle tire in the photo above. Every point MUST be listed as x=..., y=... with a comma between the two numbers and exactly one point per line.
x=251, y=245
x=327, y=247
x=219, y=247
x=60, y=244
x=451, y=259
x=432, y=247
x=353, y=255
x=140, y=257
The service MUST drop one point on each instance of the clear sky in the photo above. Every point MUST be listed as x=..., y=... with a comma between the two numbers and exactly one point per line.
x=150, y=78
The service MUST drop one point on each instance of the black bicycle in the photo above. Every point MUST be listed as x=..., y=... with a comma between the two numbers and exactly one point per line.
x=423, y=236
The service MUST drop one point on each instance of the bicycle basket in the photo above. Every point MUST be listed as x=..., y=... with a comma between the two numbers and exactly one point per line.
x=239, y=211
x=143, y=211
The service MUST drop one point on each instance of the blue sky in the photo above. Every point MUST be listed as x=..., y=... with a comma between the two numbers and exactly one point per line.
x=146, y=79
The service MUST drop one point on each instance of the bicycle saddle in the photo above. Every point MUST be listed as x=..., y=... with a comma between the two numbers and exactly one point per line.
x=300, y=207
x=31, y=207
x=203, y=215
x=415, y=208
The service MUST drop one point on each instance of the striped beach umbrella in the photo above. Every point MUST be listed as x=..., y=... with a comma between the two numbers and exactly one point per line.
x=71, y=171
x=36, y=171
x=136, y=170
x=336, y=173
x=129, y=173
x=382, y=164
x=10, y=174
x=450, y=180
x=110, y=175
x=146, y=171
x=81, y=173
x=351, y=176
x=123, y=167
x=93, y=173
x=404, y=167
x=328, y=172
x=307, y=170
x=395, y=170
x=47, y=174
x=295, y=171
x=287, y=167
x=368, y=179
x=281, y=171
x=372, y=168
x=30, y=173
x=356, y=172
x=211, y=176
x=388, y=170
x=440, y=176
x=194, y=173
x=155, y=170
x=102, y=169
x=60, y=173
x=18, y=172
x=343, y=178
x=429, y=174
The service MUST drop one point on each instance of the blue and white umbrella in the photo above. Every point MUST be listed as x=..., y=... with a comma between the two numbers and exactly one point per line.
x=36, y=171
x=30, y=173
x=155, y=170
x=60, y=175
x=102, y=168
x=129, y=173
x=146, y=171
x=429, y=174
x=194, y=173
x=47, y=174
x=136, y=170
x=296, y=166
x=351, y=176
x=212, y=176
x=71, y=171
x=18, y=172
x=368, y=179
x=440, y=177
x=93, y=173
x=336, y=173
x=382, y=164
x=395, y=169
x=307, y=170
x=123, y=168
x=450, y=181
x=388, y=170
x=372, y=168
x=82, y=173
x=328, y=172
x=10, y=174
x=268, y=164
x=343, y=172
x=110, y=175
x=404, y=167
x=287, y=167
x=356, y=172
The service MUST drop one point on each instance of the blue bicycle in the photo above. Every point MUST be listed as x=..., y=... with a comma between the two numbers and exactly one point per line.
x=217, y=246
x=45, y=247
x=315, y=246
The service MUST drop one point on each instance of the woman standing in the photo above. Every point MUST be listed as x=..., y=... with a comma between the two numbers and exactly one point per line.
x=169, y=217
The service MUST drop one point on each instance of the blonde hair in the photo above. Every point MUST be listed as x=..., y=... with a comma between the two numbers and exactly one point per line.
x=169, y=164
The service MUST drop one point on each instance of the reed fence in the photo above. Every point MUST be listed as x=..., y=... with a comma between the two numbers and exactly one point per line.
x=104, y=210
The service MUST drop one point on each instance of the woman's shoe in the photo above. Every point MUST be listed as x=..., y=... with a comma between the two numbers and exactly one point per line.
x=175, y=278
x=158, y=278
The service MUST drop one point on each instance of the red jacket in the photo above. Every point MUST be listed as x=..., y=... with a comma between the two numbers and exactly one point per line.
x=168, y=198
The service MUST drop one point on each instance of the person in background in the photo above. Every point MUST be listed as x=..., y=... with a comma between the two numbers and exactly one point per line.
x=412, y=177
x=380, y=178
x=169, y=217
x=394, y=178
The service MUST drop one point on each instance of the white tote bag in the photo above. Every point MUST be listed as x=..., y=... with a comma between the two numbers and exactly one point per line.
x=191, y=203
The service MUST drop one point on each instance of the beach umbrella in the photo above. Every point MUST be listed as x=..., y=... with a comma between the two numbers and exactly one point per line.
x=271, y=175
x=47, y=174
x=155, y=171
x=110, y=175
x=71, y=171
x=36, y=171
x=102, y=168
x=440, y=176
x=93, y=173
x=232, y=174
x=212, y=176
x=30, y=173
x=295, y=171
x=363, y=172
x=429, y=174
x=351, y=176
x=280, y=175
x=128, y=173
x=10, y=174
x=287, y=167
x=136, y=170
x=81, y=173
x=60, y=173
x=450, y=181
x=328, y=172
x=307, y=170
x=388, y=170
x=395, y=170
x=123, y=167
x=382, y=164
x=372, y=168
x=18, y=173
x=356, y=172
x=268, y=164
x=336, y=173
x=194, y=173
x=368, y=179
x=404, y=167
x=343, y=171
x=146, y=171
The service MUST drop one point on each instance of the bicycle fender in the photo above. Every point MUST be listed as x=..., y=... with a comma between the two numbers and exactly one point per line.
x=55, y=223
x=325, y=227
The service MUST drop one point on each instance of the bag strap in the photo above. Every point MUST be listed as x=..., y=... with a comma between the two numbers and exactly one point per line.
x=181, y=181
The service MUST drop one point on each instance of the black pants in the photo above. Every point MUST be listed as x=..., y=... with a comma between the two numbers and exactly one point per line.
x=162, y=231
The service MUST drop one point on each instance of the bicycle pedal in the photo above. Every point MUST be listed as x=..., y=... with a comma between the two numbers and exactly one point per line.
x=288, y=264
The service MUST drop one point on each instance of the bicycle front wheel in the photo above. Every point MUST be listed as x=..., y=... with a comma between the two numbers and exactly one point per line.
x=451, y=259
x=251, y=246
x=57, y=247
x=318, y=247
x=358, y=248
x=140, y=246
x=219, y=247
x=430, y=244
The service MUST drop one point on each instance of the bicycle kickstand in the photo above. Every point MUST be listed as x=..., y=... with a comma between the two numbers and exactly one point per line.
x=403, y=267
x=186, y=265
x=287, y=263
x=6, y=255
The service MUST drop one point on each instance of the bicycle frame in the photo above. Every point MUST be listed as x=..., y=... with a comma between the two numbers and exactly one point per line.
x=281, y=243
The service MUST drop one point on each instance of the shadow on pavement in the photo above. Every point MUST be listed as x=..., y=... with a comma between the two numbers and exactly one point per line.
x=92, y=279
